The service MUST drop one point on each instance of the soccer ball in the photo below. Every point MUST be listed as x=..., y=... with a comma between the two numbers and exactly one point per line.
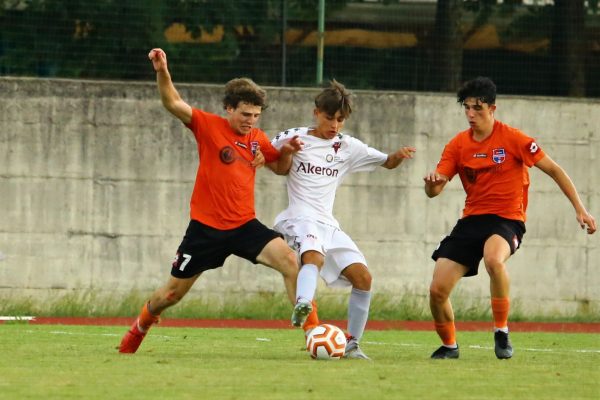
x=326, y=342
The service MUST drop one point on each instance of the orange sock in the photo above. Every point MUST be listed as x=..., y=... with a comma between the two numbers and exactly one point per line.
x=500, y=308
x=313, y=318
x=447, y=332
x=146, y=319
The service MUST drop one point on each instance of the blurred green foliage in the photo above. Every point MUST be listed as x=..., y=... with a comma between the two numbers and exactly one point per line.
x=110, y=39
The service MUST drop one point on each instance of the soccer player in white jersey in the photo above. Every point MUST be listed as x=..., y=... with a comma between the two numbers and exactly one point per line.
x=308, y=224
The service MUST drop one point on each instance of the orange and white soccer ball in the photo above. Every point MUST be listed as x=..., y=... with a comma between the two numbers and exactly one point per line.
x=326, y=342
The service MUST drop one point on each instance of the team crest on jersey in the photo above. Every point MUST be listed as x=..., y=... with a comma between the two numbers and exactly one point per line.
x=498, y=155
x=253, y=147
x=227, y=155
x=336, y=146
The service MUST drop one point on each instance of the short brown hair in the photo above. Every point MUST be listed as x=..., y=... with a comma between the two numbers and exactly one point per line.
x=244, y=90
x=334, y=98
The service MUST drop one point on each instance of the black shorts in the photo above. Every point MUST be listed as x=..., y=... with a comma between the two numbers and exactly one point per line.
x=204, y=247
x=465, y=243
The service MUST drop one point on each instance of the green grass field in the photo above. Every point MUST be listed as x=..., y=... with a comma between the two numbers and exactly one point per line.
x=81, y=362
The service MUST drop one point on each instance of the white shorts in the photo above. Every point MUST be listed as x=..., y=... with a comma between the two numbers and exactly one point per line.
x=338, y=248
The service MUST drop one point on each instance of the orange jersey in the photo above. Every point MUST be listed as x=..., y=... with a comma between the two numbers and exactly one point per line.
x=223, y=195
x=494, y=172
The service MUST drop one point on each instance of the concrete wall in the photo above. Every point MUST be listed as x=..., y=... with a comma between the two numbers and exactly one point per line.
x=95, y=180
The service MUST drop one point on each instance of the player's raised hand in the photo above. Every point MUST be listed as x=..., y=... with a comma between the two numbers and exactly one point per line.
x=586, y=219
x=292, y=146
x=434, y=183
x=395, y=159
x=433, y=178
x=159, y=59
x=406, y=152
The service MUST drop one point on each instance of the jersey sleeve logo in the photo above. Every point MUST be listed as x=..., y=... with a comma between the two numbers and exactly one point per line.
x=498, y=155
x=533, y=147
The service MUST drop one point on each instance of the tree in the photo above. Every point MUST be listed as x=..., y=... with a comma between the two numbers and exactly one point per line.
x=79, y=38
x=446, y=47
x=568, y=47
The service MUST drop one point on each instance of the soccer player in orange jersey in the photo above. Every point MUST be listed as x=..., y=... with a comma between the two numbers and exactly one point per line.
x=492, y=161
x=222, y=214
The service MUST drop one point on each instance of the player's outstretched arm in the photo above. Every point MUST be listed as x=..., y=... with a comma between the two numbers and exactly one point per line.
x=434, y=183
x=555, y=171
x=168, y=94
x=396, y=158
x=287, y=151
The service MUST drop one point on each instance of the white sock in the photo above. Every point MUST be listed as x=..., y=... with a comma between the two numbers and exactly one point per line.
x=306, y=285
x=505, y=329
x=358, y=312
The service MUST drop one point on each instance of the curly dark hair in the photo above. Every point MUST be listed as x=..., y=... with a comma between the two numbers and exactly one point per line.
x=244, y=90
x=481, y=88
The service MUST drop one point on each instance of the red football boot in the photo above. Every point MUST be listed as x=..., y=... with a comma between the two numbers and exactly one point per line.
x=132, y=339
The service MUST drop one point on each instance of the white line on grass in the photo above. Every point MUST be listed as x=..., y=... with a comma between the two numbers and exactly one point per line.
x=94, y=334
x=395, y=344
x=259, y=339
x=477, y=347
x=541, y=350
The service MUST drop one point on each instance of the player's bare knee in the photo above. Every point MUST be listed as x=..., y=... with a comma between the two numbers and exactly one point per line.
x=493, y=265
x=288, y=265
x=363, y=282
x=313, y=257
x=438, y=294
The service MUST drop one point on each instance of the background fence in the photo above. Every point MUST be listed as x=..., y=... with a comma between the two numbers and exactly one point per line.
x=527, y=46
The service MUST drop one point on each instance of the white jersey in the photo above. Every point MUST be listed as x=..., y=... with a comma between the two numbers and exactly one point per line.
x=318, y=169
